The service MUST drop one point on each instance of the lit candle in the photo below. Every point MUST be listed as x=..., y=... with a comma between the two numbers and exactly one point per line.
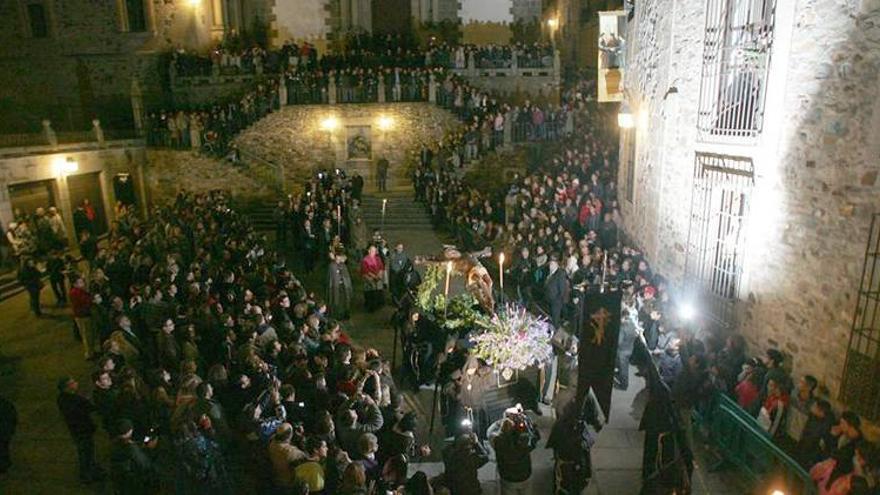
x=501, y=270
x=604, y=269
x=339, y=220
x=384, y=203
x=448, y=274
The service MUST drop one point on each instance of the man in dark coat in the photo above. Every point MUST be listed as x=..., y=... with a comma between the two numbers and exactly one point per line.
x=382, y=174
x=8, y=423
x=132, y=470
x=555, y=291
x=30, y=277
x=77, y=413
x=357, y=186
x=462, y=460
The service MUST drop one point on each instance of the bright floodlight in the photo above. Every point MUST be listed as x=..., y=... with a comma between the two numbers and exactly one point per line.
x=687, y=312
x=329, y=124
x=625, y=117
x=385, y=123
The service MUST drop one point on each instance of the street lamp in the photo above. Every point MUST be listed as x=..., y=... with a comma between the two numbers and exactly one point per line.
x=65, y=167
x=329, y=124
x=625, y=117
x=385, y=123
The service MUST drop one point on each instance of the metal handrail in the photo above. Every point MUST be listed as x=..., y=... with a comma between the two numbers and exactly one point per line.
x=744, y=444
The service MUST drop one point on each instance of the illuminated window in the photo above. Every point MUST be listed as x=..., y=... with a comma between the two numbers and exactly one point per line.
x=736, y=56
x=861, y=389
x=716, y=238
x=39, y=21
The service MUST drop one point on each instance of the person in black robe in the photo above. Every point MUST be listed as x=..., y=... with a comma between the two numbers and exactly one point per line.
x=571, y=441
x=339, y=288
x=667, y=462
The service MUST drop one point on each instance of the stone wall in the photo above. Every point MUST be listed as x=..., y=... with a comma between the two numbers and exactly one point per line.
x=293, y=137
x=815, y=161
x=168, y=172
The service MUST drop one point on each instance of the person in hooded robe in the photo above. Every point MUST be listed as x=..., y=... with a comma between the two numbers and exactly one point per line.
x=571, y=441
x=339, y=288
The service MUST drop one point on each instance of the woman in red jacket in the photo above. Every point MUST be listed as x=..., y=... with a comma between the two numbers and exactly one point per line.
x=373, y=272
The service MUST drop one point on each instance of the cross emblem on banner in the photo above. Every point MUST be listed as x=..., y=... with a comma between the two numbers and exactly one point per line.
x=598, y=321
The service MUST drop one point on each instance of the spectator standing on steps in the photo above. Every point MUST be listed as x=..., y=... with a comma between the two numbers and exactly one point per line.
x=382, y=174
x=81, y=303
x=30, y=278
x=77, y=413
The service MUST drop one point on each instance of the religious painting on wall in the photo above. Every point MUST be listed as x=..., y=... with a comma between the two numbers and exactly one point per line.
x=612, y=50
x=358, y=142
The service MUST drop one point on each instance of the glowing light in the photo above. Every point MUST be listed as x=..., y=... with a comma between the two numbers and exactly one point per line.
x=65, y=166
x=777, y=492
x=329, y=124
x=552, y=23
x=643, y=118
x=194, y=3
x=625, y=117
x=385, y=122
x=687, y=311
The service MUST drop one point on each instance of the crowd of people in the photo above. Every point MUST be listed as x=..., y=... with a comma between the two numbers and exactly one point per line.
x=536, y=55
x=559, y=225
x=215, y=369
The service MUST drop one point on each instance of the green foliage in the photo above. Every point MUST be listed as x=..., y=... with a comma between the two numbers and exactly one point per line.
x=425, y=300
x=459, y=312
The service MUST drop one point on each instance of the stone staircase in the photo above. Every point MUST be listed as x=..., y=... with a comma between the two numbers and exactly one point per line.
x=402, y=212
x=406, y=220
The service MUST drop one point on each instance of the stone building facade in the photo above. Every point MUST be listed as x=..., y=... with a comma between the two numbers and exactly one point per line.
x=435, y=10
x=526, y=10
x=72, y=60
x=750, y=176
x=63, y=175
x=577, y=30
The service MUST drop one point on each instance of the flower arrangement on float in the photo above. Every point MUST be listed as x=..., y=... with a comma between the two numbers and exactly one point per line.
x=513, y=339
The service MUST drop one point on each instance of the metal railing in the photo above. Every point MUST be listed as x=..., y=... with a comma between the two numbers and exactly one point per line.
x=743, y=444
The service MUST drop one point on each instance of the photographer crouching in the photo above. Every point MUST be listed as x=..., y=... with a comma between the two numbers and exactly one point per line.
x=514, y=437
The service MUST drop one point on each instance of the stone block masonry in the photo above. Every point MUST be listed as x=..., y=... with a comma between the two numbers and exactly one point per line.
x=294, y=138
x=815, y=162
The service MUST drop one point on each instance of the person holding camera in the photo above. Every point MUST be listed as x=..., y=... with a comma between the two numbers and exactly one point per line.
x=462, y=459
x=131, y=469
x=513, y=437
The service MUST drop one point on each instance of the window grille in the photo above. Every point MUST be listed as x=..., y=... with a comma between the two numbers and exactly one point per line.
x=716, y=238
x=861, y=389
x=736, y=57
